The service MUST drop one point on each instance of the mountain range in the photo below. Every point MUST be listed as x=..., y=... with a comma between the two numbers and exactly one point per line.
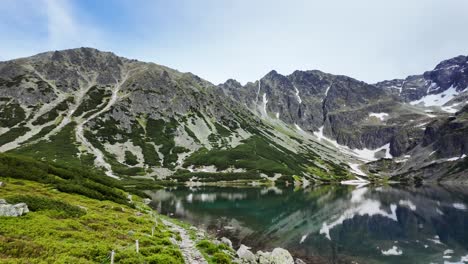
x=141, y=120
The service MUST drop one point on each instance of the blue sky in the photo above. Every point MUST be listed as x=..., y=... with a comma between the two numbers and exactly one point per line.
x=370, y=40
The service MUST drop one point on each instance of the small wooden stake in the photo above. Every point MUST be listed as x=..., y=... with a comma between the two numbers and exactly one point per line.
x=112, y=256
x=137, y=246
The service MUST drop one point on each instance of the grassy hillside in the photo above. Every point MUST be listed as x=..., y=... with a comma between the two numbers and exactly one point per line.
x=78, y=216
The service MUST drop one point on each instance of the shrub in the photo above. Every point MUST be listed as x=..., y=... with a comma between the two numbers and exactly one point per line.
x=38, y=203
x=221, y=258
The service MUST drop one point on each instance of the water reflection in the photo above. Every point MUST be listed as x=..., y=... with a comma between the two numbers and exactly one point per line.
x=333, y=224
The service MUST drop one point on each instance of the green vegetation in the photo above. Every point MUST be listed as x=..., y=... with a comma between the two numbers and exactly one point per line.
x=11, y=114
x=13, y=134
x=61, y=147
x=93, y=99
x=39, y=203
x=214, y=253
x=71, y=228
x=130, y=158
x=92, y=184
x=54, y=113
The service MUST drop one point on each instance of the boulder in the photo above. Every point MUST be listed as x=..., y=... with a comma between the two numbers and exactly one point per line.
x=281, y=256
x=226, y=241
x=264, y=257
x=12, y=210
x=146, y=201
x=2, y=184
x=245, y=255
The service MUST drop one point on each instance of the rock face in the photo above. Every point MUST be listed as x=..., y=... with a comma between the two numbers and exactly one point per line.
x=12, y=210
x=449, y=73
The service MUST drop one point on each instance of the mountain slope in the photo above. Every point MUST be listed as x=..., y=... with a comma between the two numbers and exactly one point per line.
x=142, y=120
x=93, y=108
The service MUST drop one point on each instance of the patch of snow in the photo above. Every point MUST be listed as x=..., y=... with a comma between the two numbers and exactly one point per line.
x=356, y=170
x=277, y=115
x=381, y=116
x=408, y=204
x=436, y=99
x=264, y=106
x=369, y=155
x=303, y=238
x=457, y=158
x=366, y=207
x=298, y=127
x=435, y=240
x=450, y=108
x=394, y=251
x=357, y=195
x=258, y=92
x=448, y=252
x=326, y=92
x=299, y=100
x=459, y=206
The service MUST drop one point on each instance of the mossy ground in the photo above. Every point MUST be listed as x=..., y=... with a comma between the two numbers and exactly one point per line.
x=50, y=236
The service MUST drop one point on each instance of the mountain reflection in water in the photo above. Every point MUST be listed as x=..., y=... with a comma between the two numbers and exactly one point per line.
x=332, y=224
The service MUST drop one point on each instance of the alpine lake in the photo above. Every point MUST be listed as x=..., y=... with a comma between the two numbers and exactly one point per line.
x=331, y=223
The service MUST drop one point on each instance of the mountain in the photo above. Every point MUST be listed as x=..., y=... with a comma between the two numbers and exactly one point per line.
x=142, y=120
x=93, y=108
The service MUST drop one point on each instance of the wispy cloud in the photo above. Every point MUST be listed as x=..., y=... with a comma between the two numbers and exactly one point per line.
x=29, y=26
x=64, y=30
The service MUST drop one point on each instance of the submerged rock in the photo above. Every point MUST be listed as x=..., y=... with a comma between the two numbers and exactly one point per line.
x=299, y=261
x=12, y=210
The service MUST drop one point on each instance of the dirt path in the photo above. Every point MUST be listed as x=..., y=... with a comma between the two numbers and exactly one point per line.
x=189, y=250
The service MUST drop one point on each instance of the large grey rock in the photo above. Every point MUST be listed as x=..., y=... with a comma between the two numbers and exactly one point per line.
x=245, y=255
x=281, y=256
x=12, y=210
x=226, y=241
x=263, y=257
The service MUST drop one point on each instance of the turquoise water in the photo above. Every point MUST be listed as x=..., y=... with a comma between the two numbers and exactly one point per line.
x=332, y=223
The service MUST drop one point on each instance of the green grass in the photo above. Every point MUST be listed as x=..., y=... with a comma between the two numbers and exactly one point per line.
x=82, y=181
x=71, y=228
x=214, y=254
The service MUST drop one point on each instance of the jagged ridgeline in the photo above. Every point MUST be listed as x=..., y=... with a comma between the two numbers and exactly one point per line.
x=84, y=107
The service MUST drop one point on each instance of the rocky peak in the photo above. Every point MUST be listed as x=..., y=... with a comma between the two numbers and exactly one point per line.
x=448, y=73
x=231, y=84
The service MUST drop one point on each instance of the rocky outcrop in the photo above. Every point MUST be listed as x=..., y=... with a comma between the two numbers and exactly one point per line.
x=12, y=210
x=277, y=256
x=449, y=73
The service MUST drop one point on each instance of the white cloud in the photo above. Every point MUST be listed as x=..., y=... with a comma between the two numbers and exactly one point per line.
x=28, y=27
x=66, y=31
